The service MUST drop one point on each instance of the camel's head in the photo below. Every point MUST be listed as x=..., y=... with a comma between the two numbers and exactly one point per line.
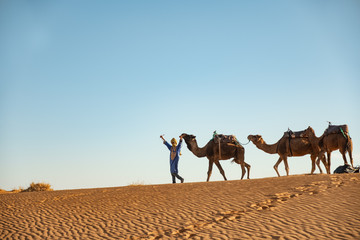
x=255, y=138
x=188, y=139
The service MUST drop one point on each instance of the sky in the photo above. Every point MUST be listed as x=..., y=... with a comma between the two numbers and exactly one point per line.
x=87, y=87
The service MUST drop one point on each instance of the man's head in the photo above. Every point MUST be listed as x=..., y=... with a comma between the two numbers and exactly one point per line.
x=174, y=142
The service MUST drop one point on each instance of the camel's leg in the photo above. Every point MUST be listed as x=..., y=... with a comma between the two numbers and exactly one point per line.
x=209, y=169
x=329, y=160
x=217, y=163
x=276, y=166
x=318, y=165
x=313, y=160
x=239, y=159
x=242, y=165
x=248, y=170
x=323, y=160
x=343, y=152
x=321, y=157
x=286, y=166
x=350, y=148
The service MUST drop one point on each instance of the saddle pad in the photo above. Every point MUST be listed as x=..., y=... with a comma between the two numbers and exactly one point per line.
x=291, y=134
x=336, y=129
x=224, y=138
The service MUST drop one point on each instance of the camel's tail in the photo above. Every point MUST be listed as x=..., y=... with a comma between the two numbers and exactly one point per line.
x=349, y=145
x=239, y=155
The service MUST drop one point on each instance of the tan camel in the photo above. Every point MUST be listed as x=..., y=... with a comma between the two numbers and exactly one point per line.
x=310, y=133
x=211, y=151
x=285, y=147
x=334, y=140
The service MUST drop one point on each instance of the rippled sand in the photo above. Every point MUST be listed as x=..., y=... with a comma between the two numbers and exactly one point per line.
x=294, y=207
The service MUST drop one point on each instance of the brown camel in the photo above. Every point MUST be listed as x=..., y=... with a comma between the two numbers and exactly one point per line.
x=334, y=140
x=310, y=133
x=285, y=147
x=211, y=151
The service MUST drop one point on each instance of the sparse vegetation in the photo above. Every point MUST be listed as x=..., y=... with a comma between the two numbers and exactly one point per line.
x=2, y=191
x=20, y=189
x=38, y=187
x=15, y=190
x=138, y=183
x=34, y=187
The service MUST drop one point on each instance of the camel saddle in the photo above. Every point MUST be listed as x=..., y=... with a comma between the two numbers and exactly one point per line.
x=220, y=138
x=336, y=129
x=291, y=134
x=346, y=169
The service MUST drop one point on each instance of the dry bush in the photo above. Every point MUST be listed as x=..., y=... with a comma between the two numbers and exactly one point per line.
x=3, y=191
x=137, y=183
x=20, y=189
x=38, y=187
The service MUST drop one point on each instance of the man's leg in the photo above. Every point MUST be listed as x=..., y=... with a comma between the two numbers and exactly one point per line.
x=180, y=178
x=173, y=177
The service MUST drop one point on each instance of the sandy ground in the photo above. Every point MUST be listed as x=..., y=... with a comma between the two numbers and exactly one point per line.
x=294, y=207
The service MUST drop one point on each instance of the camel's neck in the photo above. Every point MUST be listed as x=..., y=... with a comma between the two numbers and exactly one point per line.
x=313, y=138
x=194, y=148
x=272, y=148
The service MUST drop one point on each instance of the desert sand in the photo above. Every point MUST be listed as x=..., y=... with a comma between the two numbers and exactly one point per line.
x=293, y=207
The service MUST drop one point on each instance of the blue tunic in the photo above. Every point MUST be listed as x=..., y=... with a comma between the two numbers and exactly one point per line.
x=174, y=156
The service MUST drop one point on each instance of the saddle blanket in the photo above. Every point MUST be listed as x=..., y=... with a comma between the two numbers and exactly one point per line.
x=336, y=129
x=291, y=134
x=225, y=138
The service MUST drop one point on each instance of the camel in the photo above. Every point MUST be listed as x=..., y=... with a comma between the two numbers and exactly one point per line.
x=214, y=154
x=310, y=133
x=331, y=141
x=285, y=147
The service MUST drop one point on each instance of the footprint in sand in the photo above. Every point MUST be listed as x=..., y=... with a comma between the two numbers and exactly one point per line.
x=268, y=204
x=310, y=189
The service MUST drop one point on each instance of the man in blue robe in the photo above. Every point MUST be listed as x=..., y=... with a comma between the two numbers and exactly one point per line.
x=174, y=157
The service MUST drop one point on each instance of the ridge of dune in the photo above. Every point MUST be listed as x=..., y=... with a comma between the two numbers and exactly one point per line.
x=293, y=207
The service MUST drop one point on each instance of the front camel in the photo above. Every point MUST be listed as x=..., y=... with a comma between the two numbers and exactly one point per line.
x=214, y=154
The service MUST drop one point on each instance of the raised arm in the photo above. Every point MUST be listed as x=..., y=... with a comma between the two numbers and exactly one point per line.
x=166, y=143
x=180, y=142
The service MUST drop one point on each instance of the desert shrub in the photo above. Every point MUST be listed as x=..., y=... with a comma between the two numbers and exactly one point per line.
x=20, y=189
x=2, y=191
x=38, y=187
x=137, y=183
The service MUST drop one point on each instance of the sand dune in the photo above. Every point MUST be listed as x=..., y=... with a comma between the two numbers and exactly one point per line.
x=294, y=207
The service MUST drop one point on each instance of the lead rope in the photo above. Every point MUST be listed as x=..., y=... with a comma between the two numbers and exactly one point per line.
x=240, y=142
x=243, y=143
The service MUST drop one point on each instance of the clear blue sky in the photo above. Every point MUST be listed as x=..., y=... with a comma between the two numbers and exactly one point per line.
x=87, y=87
